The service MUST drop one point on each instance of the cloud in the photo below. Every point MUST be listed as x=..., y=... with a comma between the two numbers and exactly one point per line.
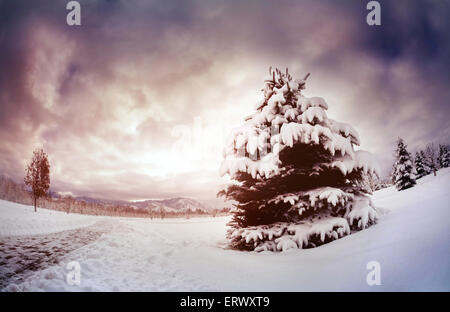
x=108, y=100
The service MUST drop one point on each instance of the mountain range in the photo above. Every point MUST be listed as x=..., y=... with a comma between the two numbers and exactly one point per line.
x=178, y=204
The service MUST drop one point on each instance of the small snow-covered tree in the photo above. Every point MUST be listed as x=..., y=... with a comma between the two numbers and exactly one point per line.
x=421, y=167
x=298, y=181
x=444, y=156
x=392, y=175
x=369, y=182
x=426, y=163
x=381, y=184
x=404, y=176
x=430, y=158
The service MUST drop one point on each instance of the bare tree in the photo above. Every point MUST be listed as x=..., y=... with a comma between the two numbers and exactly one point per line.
x=37, y=176
x=68, y=201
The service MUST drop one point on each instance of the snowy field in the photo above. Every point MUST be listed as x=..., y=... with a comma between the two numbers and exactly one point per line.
x=411, y=242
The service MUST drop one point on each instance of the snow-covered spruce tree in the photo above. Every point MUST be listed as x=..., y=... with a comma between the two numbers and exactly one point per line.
x=431, y=159
x=404, y=175
x=297, y=177
x=426, y=164
x=444, y=156
x=421, y=167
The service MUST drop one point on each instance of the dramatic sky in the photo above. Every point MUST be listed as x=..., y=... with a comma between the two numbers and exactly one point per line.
x=136, y=102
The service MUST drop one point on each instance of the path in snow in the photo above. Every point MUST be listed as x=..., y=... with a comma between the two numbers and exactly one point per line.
x=21, y=255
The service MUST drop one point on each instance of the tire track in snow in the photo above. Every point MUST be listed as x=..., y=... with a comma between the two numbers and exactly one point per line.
x=20, y=256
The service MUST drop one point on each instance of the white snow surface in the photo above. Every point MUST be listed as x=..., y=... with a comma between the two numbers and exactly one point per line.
x=410, y=242
x=17, y=219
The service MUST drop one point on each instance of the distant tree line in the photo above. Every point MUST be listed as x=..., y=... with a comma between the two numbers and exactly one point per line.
x=18, y=193
x=407, y=169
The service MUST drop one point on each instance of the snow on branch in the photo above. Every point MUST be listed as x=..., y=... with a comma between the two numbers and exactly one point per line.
x=360, y=160
x=363, y=212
